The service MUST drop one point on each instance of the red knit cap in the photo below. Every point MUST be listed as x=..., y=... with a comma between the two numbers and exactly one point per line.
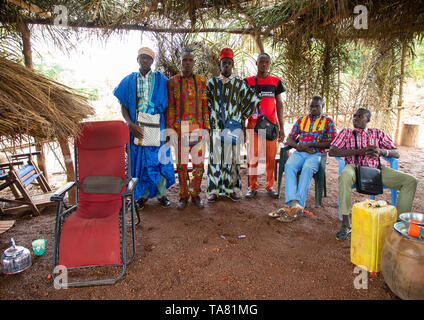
x=226, y=53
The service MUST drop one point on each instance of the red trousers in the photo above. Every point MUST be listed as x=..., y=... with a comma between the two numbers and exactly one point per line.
x=183, y=177
x=270, y=148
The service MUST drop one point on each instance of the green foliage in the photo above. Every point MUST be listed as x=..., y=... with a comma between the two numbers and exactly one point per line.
x=55, y=72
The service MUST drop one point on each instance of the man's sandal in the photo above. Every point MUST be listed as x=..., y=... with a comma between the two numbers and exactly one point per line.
x=285, y=217
x=293, y=210
x=276, y=214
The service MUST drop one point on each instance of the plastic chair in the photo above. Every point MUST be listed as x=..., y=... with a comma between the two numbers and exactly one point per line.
x=19, y=176
x=92, y=233
x=393, y=164
x=319, y=176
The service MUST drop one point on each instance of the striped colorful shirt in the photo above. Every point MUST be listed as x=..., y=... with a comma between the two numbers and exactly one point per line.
x=310, y=129
x=365, y=137
x=144, y=83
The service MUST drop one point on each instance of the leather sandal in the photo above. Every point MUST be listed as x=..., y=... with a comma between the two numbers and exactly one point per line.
x=276, y=214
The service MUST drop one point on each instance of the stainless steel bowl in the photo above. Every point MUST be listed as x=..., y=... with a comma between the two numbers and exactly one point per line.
x=408, y=216
x=402, y=228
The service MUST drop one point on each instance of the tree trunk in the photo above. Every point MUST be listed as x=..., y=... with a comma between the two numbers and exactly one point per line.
x=69, y=164
x=401, y=83
x=27, y=51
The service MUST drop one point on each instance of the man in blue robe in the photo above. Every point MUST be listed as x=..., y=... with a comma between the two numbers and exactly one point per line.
x=146, y=92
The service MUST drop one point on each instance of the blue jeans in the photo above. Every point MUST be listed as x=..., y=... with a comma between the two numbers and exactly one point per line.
x=308, y=163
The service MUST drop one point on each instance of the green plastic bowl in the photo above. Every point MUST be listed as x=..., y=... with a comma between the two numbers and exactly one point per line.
x=39, y=246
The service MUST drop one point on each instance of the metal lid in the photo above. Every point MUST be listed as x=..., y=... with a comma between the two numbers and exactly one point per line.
x=14, y=250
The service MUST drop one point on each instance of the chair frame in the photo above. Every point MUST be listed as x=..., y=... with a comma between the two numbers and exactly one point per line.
x=319, y=176
x=394, y=164
x=61, y=216
x=18, y=184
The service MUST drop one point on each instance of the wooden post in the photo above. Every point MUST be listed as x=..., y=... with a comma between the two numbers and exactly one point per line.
x=400, y=101
x=69, y=164
x=27, y=51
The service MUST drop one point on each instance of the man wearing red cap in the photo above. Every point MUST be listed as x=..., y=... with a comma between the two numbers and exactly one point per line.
x=230, y=101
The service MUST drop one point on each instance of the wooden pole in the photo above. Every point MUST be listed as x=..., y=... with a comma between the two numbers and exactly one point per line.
x=27, y=51
x=69, y=164
x=400, y=101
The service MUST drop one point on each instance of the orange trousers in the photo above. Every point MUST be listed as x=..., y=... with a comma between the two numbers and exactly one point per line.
x=253, y=151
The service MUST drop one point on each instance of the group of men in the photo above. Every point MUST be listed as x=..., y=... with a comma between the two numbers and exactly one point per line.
x=197, y=113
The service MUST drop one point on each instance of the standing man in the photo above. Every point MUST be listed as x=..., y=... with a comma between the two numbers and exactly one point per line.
x=310, y=136
x=146, y=92
x=269, y=89
x=188, y=105
x=372, y=143
x=239, y=102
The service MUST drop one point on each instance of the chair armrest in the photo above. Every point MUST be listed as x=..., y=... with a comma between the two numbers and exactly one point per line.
x=393, y=162
x=25, y=155
x=323, y=160
x=9, y=164
x=286, y=148
x=60, y=193
x=131, y=187
x=341, y=163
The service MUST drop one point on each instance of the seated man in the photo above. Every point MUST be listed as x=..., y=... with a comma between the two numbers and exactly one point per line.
x=314, y=134
x=372, y=143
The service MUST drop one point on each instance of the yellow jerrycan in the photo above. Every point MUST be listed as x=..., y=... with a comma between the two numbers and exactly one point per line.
x=372, y=221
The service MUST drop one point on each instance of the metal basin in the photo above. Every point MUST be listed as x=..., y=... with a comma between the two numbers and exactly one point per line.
x=402, y=228
x=408, y=216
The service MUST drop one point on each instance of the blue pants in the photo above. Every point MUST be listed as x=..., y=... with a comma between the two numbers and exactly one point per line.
x=308, y=163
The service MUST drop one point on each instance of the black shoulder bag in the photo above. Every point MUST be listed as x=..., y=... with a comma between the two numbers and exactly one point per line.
x=193, y=139
x=368, y=179
x=264, y=123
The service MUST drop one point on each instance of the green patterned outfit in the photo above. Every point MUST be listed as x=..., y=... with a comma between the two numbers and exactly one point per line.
x=224, y=163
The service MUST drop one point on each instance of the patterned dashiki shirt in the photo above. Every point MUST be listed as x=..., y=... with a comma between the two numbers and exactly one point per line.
x=194, y=115
x=311, y=129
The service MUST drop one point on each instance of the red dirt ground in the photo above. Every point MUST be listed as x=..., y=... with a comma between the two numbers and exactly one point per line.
x=181, y=255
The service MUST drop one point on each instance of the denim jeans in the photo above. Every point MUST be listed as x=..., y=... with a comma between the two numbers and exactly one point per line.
x=308, y=164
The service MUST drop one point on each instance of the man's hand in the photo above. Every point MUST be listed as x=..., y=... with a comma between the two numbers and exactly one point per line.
x=281, y=135
x=372, y=151
x=137, y=131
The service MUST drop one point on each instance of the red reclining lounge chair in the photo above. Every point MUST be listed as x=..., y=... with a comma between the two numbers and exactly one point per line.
x=92, y=233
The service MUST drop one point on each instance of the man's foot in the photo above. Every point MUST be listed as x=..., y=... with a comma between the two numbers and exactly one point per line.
x=272, y=194
x=164, y=202
x=198, y=202
x=293, y=209
x=139, y=204
x=251, y=194
x=182, y=204
x=344, y=232
x=212, y=198
x=235, y=197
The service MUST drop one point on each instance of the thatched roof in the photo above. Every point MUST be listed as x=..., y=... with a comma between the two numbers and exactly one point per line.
x=31, y=104
x=279, y=19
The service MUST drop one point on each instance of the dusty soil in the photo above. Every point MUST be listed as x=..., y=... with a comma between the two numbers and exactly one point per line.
x=181, y=255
